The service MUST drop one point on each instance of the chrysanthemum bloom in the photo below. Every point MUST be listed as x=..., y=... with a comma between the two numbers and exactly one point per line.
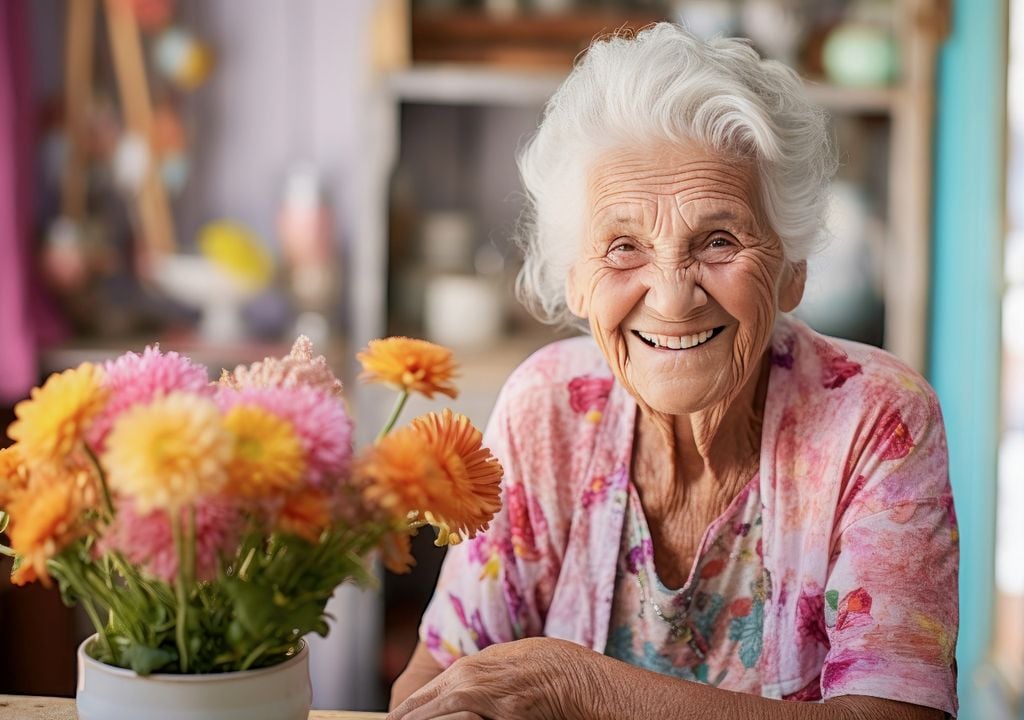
x=147, y=540
x=473, y=474
x=44, y=519
x=396, y=552
x=399, y=475
x=300, y=368
x=133, y=379
x=306, y=513
x=319, y=420
x=13, y=474
x=267, y=457
x=409, y=365
x=169, y=453
x=52, y=424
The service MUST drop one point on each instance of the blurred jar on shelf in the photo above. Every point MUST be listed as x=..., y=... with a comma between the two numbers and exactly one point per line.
x=304, y=226
x=862, y=50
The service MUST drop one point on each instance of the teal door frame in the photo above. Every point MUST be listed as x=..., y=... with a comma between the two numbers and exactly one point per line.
x=967, y=288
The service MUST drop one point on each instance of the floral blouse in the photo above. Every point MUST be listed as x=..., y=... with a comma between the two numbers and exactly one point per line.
x=709, y=630
x=858, y=532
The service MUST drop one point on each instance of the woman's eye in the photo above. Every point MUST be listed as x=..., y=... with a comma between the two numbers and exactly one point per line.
x=720, y=241
x=620, y=246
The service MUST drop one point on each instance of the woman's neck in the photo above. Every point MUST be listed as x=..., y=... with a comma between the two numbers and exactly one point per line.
x=715, y=443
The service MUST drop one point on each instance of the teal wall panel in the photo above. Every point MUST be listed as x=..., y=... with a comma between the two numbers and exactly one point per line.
x=966, y=296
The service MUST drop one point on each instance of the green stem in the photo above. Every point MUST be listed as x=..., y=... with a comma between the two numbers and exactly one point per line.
x=399, y=405
x=181, y=591
x=255, y=655
x=101, y=627
x=108, y=504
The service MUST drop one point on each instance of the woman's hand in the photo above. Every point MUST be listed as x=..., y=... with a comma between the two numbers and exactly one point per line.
x=535, y=678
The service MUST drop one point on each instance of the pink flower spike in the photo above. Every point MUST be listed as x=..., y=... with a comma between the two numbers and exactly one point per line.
x=134, y=379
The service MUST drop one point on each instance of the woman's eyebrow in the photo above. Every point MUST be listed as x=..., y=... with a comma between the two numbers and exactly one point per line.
x=620, y=219
x=721, y=215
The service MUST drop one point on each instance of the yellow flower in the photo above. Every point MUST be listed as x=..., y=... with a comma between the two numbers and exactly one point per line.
x=409, y=365
x=306, y=513
x=13, y=474
x=400, y=475
x=168, y=453
x=267, y=456
x=473, y=474
x=43, y=521
x=50, y=425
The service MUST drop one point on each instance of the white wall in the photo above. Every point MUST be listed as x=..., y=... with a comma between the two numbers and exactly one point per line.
x=289, y=85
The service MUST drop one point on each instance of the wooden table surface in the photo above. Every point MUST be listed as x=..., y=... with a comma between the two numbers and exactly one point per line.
x=30, y=707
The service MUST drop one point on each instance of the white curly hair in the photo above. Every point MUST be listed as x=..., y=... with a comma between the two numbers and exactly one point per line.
x=664, y=83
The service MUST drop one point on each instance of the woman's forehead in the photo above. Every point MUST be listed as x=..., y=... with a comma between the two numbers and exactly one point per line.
x=622, y=181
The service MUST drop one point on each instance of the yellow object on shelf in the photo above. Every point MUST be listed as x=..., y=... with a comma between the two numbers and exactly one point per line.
x=237, y=251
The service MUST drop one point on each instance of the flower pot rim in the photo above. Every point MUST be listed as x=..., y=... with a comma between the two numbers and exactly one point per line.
x=88, y=659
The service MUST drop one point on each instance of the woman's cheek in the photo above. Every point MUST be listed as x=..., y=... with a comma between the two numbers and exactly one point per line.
x=613, y=295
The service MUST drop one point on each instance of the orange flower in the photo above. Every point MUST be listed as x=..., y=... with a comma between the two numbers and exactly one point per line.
x=473, y=474
x=409, y=365
x=50, y=425
x=400, y=475
x=43, y=522
x=306, y=513
x=396, y=552
x=13, y=474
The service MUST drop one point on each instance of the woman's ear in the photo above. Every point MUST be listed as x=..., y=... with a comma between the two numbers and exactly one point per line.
x=791, y=288
x=575, y=299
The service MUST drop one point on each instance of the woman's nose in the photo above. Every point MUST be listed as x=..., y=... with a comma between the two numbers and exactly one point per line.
x=674, y=293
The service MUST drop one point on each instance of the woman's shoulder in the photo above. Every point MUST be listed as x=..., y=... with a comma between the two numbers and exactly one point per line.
x=564, y=376
x=556, y=399
x=832, y=373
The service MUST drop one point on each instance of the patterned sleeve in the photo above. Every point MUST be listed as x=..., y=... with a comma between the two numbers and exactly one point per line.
x=891, y=607
x=496, y=587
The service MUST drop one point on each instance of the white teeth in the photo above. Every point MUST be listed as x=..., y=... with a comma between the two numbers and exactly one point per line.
x=675, y=342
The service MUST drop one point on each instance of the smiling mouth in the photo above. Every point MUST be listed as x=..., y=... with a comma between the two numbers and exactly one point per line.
x=678, y=342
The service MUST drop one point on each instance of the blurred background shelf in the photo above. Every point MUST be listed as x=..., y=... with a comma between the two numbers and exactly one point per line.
x=443, y=83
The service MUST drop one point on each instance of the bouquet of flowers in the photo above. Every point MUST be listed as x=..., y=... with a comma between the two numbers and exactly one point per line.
x=204, y=526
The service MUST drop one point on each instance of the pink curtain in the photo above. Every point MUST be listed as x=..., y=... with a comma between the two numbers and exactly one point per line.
x=26, y=318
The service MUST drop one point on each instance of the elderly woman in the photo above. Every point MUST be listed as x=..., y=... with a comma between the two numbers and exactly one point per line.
x=709, y=508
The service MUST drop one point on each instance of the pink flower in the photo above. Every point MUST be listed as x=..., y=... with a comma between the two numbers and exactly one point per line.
x=299, y=368
x=134, y=379
x=589, y=395
x=146, y=539
x=319, y=420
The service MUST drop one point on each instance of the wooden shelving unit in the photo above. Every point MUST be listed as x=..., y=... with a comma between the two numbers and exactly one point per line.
x=906, y=106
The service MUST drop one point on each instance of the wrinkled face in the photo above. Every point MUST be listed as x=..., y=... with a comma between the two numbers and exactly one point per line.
x=678, y=275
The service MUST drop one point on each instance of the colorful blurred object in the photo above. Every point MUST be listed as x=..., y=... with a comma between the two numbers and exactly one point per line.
x=153, y=14
x=182, y=58
x=64, y=263
x=857, y=55
x=131, y=161
x=170, y=145
x=237, y=251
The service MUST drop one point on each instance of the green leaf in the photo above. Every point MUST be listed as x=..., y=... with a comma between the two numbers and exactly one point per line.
x=832, y=598
x=146, y=660
x=254, y=605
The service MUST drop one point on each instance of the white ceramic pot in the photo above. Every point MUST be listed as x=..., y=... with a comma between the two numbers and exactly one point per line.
x=280, y=692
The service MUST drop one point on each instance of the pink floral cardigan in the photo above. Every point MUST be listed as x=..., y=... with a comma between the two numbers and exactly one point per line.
x=859, y=536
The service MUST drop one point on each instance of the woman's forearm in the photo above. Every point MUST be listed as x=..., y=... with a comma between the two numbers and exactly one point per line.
x=422, y=668
x=628, y=691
